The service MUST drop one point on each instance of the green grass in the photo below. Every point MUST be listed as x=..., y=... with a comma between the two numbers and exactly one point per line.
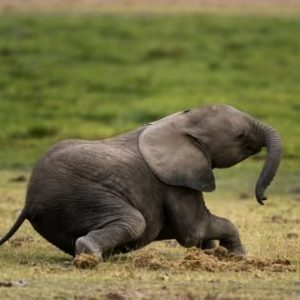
x=93, y=76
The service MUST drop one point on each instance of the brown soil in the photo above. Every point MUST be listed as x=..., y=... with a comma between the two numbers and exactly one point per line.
x=245, y=196
x=86, y=261
x=18, y=283
x=114, y=296
x=148, y=259
x=219, y=259
x=279, y=219
x=19, y=178
x=212, y=260
x=292, y=235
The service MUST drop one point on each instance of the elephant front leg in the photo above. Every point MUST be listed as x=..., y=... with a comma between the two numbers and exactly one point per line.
x=226, y=232
x=208, y=244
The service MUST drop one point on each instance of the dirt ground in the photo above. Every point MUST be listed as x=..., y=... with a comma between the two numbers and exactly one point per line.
x=31, y=268
x=212, y=260
x=263, y=6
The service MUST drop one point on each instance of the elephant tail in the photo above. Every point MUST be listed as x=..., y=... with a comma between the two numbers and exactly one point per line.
x=16, y=226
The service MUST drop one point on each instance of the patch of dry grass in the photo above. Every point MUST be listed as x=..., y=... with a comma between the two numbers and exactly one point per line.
x=31, y=268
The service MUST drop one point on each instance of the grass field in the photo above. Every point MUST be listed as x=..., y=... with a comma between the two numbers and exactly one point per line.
x=94, y=76
x=44, y=272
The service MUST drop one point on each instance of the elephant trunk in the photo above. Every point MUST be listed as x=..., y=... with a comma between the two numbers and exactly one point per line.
x=272, y=142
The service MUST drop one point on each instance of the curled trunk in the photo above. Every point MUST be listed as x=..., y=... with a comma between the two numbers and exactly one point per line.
x=272, y=142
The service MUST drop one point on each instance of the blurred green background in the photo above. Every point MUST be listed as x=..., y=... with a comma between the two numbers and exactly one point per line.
x=93, y=76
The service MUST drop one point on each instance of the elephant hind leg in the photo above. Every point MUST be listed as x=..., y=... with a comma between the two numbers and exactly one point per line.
x=57, y=237
x=125, y=228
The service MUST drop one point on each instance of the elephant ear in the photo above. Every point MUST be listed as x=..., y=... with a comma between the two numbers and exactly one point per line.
x=174, y=155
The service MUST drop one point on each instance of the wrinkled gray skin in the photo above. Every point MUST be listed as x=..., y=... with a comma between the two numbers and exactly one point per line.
x=116, y=195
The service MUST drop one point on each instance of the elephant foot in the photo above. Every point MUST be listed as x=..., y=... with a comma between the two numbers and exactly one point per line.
x=239, y=251
x=87, y=245
x=208, y=244
x=233, y=247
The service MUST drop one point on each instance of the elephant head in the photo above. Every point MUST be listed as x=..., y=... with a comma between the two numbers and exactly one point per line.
x=184, y=148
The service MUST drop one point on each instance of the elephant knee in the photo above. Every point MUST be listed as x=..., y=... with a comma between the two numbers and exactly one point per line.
x=136, y=225
x=125, y=228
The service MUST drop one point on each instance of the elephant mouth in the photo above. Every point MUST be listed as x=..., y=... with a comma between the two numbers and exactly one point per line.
x=252, y=150
x=226, y=164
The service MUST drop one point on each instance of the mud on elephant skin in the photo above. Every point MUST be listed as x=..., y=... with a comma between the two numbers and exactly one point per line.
x=116, y=195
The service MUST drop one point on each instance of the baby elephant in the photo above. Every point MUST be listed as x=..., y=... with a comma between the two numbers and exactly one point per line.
x=120, y=194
